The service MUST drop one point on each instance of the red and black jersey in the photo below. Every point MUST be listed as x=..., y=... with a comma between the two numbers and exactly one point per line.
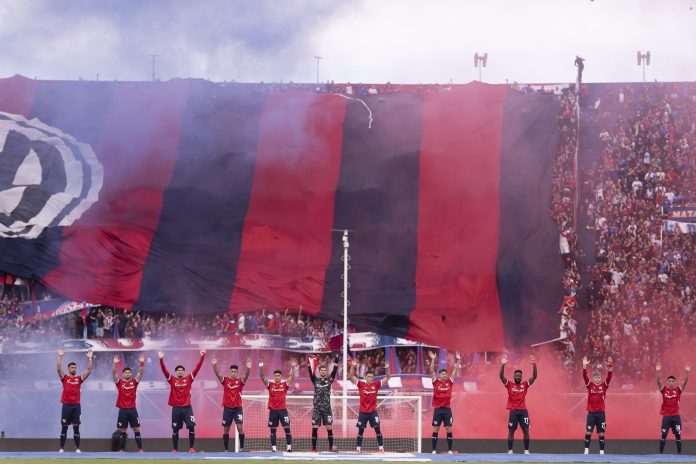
x=670, y=401
x=442, y=393
x=127, y=390
x=368, y=395
x=232, y=397
x=596, y=393
x=517, y=392
x=277, y=393
x=71, y=389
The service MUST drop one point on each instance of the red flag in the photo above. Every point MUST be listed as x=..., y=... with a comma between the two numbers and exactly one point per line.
x=336, y=343
x=312, y=360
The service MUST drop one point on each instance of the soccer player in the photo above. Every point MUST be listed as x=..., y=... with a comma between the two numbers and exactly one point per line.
x=670, y=406
x=71, y=398
x=127, y=413
x=596, y=393
x=442, y=395
x=232, y=401
x=368, y=403
x=277, y=404
x=517, y=392
x=321, y=413
x=180, y=400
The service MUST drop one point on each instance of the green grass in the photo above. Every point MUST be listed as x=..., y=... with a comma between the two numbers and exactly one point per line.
x=174, y=461
x=154, y=461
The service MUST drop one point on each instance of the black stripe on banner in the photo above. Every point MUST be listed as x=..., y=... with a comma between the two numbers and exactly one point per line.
x=193, y=256
x=377, y=200
x=529, y=268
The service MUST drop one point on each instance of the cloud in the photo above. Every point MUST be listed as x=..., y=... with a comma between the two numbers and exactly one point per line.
x=216, y=39
x=407, y=41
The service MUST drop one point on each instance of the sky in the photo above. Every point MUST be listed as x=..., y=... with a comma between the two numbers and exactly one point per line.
x=400, y=41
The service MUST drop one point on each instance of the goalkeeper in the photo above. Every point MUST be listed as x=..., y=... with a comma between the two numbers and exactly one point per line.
x=321, y=413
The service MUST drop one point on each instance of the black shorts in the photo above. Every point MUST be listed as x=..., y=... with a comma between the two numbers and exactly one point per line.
x=671, y=422
x=278, y=416
x=126, y=417
x=183, y=415
x=596, y=419
x=518, y=416
x=365, y=418
x=70, y=414
x=322, y=416
x=232, y=414
x=442, y=416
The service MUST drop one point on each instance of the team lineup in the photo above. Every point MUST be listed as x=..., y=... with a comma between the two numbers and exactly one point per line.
x=182, y=412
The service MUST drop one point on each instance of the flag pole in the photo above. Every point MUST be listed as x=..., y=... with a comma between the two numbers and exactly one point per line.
x=346, y=258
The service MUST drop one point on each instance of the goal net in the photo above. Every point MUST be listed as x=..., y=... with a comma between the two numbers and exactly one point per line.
x=400, y=421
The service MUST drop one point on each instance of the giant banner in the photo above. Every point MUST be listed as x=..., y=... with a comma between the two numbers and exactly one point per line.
x=189, y=196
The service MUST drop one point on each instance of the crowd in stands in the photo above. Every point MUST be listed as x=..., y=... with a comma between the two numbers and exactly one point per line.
x=106, y=322
x=641, y=293
x=563, y=213
x=348, y=89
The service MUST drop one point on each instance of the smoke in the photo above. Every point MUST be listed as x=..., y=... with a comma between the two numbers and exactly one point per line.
x=557, y=403
x=214, y=39
x=30, y=394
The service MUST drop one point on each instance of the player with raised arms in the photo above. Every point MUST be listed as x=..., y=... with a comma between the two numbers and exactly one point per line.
x=321, y=410
x=671, y=394
x=516, y=404
x=127, y=413
x=180, y=400
x=71, y=411
x=368, y=403
x=277, y=403
x=442, y=396
x=596, y=393
x=232, y=401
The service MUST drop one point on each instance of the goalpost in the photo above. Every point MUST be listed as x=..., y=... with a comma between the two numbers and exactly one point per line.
x=400, y=416
x=400, y=420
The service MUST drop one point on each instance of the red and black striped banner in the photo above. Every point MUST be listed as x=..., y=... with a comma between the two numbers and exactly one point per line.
x=221, y=197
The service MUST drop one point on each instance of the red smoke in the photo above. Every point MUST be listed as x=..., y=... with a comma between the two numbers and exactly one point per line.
x=557, y=411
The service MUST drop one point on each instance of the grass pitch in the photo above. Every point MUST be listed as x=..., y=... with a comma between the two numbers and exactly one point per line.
x=174, y=461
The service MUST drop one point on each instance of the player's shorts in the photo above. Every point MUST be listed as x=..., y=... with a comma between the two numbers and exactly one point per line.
x=322, y=416
x=183, y=415
x=442, y=416
x=671, y=422
x=278, y=416
x=596, y=419
x=518, y=416
x=232, y=414
x=126, y=417
x=70, y=414
x=365, y=418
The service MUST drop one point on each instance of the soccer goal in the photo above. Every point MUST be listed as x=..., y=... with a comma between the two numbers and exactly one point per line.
x=400, y=419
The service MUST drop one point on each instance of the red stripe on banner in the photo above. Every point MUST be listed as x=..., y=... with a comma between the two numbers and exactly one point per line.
x=16, y=95
x=286, y=243
x=138, y=149
x=456, y=295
